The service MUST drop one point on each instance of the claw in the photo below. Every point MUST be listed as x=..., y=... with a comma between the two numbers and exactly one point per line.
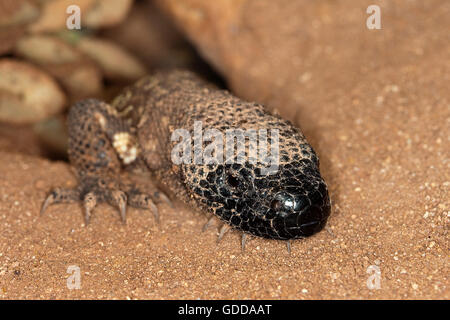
x=119, y=199
x=288, y=246
x=243, y=242
x=89, y=202
x=87, y=216
x=164, y=197
x=143, y=201
x=59, y=195
x=123, y=212
x=208, y=223
x=222, y=231
x=155, y=211
x=48, y=201
x=330, y=231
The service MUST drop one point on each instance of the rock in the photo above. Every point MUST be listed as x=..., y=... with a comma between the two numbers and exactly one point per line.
x=77, y=73
x=20, y=139
x=53, y=136
x=266, y=49
x=115, y=62
x=27, y=94
x=9, y=37
x=106, y=13
x=14, y=17
x=17, y=12
x=152, y=38
x=46, y=50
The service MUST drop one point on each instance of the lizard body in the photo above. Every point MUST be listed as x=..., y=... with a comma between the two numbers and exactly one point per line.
x=136, y=132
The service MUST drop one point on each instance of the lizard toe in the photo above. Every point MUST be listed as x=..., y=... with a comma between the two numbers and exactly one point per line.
x=143, y=201
x=60, y=195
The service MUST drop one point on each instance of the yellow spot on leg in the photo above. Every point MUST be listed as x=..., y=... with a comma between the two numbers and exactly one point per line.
x=126, y=146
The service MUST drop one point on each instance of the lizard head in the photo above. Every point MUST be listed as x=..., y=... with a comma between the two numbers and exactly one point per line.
x=289, y=203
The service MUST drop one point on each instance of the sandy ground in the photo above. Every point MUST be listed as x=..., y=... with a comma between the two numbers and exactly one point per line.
x=376, y=108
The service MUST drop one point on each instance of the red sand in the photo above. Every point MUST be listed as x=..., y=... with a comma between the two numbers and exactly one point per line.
x=374, y=104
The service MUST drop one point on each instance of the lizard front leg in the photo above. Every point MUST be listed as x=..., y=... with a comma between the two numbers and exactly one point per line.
x=100, y=144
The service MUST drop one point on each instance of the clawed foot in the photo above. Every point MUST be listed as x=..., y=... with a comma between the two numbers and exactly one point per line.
x=90, y=197
x=225, y=228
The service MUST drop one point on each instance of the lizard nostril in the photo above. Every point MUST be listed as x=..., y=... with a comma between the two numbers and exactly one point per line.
x=233, y=181
x=275, y=205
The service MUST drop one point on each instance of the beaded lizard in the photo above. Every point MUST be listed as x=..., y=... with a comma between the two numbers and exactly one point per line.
x=134, y=133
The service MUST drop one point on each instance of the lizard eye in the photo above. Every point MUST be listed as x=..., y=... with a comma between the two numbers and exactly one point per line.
x=283, y=201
